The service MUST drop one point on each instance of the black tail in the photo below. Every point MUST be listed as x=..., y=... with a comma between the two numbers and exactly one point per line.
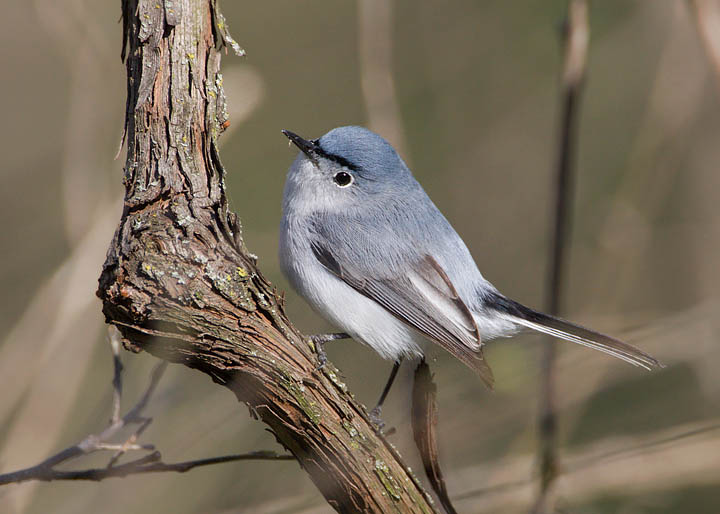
x=556, y=327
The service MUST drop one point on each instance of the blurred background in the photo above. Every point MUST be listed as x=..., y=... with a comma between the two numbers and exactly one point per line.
x=469, y=93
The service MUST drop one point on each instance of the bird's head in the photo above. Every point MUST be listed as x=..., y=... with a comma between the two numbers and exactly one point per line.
x=346, y=168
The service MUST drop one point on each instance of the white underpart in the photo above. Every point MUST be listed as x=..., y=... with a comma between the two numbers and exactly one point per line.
x=362, y=318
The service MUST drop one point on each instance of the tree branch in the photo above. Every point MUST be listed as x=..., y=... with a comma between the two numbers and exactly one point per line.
x=179, y=283
x=147, y=464
x=576, y=40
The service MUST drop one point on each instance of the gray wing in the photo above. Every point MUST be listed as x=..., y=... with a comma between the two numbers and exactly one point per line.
x=423, y=298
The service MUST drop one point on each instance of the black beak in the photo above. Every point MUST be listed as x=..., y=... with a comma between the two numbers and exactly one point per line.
x=305, y=146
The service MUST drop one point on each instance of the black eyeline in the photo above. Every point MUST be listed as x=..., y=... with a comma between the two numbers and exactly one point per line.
x=313, y=150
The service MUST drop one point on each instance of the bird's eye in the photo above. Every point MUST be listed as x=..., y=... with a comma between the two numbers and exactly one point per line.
x=343, y=179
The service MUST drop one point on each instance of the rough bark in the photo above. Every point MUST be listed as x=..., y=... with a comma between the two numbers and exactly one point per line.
x=179, y=283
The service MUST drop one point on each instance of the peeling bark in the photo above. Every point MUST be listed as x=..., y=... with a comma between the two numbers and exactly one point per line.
x=179, y=283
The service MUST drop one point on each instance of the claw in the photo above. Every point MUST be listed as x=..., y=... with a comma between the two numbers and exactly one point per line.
x=319, y=340
x=320, y=351
x=374, y=416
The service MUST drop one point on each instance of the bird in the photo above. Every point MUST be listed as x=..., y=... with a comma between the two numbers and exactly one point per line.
x=365, y=246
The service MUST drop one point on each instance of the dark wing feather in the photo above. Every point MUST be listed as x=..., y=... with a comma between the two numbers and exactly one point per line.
x=425, y=299
x=564, y=329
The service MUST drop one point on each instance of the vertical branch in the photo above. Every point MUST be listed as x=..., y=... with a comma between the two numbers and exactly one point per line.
x=576, y=40
x=375, y=47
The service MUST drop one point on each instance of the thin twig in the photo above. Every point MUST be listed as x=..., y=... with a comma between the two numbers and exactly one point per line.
x=147, y=464
x=99, y=442
x=576, y=42
x=129, y=444
x=92, y=442
x=155, y=376
x=114, y=339
x=151, y=463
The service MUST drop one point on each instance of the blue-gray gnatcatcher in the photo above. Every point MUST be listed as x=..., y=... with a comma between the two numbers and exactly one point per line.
x=362, y=242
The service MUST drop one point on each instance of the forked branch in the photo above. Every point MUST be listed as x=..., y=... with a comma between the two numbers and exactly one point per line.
x=106, y=441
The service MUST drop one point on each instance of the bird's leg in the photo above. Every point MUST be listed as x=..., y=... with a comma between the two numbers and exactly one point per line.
x=377, y=410
x=319, y=341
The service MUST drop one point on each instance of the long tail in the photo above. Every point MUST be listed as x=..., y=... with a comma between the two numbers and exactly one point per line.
x=556, y=327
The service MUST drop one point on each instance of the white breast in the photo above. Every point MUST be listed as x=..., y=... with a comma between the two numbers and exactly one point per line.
x=362, y=318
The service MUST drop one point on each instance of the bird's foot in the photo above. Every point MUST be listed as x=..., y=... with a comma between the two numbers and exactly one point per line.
x=321, y=355
x=319, y=340
x=374, y=416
